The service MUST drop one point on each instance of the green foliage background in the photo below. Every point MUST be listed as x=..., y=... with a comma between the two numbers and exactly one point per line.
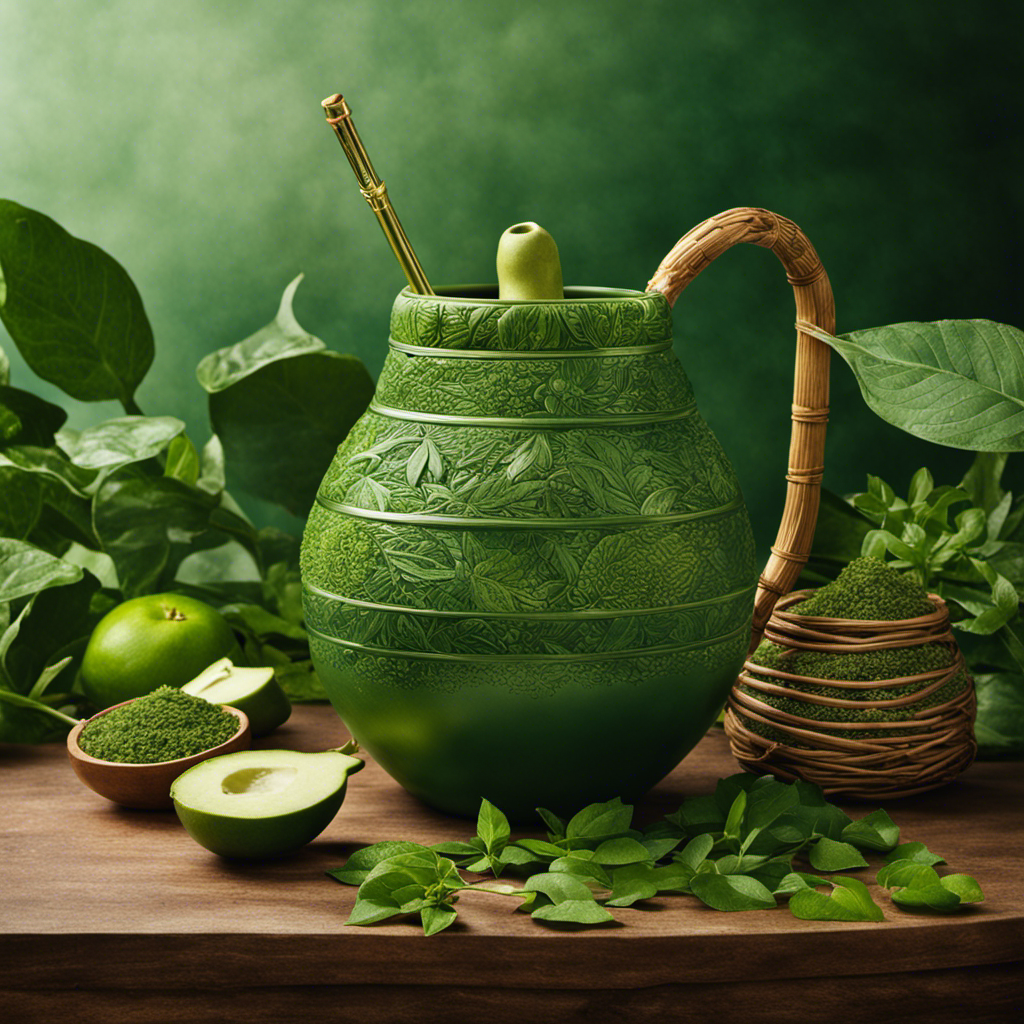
x=187, y=140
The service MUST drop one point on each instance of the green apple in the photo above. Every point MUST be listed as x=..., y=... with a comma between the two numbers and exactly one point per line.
x=528, y=264
x=262, y=803
x=151, y=641
x=252, y=690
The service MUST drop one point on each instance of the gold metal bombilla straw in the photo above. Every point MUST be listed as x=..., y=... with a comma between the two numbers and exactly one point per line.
x=339, y=117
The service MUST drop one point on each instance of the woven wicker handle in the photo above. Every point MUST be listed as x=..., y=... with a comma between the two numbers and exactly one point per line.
x=814, y=305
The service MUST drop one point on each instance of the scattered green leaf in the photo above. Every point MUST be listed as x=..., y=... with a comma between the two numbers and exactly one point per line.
x=364, y=860
x=731, y=892
x=916, y=852
x=875, y=831
x=849, y=900
x=587, y=869
x=964, y=886
x=926, y=897
x=829, y=855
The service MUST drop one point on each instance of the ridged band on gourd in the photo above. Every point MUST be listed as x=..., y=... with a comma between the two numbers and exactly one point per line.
x=584, y=320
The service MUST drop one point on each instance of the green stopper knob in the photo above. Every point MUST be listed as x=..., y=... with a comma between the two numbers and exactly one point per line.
x=528, y=264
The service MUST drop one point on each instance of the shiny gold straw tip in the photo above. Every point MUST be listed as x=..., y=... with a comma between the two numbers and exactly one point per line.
x=335, y=107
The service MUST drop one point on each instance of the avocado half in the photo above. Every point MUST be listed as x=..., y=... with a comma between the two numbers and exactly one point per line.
x=252, y=690
x=262, y=803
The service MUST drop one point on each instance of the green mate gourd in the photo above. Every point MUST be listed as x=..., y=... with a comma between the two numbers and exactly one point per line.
x=529, y=573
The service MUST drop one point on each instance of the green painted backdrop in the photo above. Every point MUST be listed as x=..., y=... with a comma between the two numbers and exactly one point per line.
x=187, y=139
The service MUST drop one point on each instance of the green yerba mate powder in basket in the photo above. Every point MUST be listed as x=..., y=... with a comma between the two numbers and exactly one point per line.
x=867, y=589
x=162, y=726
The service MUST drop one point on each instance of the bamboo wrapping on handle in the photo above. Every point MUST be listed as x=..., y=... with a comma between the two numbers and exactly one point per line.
x=814, y=305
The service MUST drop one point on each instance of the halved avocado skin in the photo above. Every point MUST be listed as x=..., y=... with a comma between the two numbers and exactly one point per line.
x=269, y=708
x=274, y=835
x=260, y=838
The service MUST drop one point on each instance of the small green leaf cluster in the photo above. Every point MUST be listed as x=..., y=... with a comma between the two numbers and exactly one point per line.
x=965, y=543
x=397, y=878
x=740, y=848
x=131, y=505
x=958, y=558
x=910, y=876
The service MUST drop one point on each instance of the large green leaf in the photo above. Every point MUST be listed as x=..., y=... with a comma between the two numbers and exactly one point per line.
x=21, y=502
x=958, y=383
x=71, y=309
x=849, y=900
x=282, y=338
x=26, y=569
x=281, y=426
x=999, y=728
x=28, y=419
x=119, y=442
x=50, y=463
x=731, y=892
x=23, y=720
x=59, y=623
x=24, y=682
x=281, y=403
x=65, y=518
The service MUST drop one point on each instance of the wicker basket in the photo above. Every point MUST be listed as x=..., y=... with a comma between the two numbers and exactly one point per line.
x=928, y=745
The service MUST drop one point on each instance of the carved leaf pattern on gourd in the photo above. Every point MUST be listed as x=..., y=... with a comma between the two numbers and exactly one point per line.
x=675, y=467
x=370, y=672
x=653, y=566
x=527, y=571
x=530, y=328
x=602, y=385
x=633, y=320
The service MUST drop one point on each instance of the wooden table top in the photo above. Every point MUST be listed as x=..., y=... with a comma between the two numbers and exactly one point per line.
x=112, y=914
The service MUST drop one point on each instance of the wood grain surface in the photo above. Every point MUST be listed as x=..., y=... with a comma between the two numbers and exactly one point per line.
x=116, y=915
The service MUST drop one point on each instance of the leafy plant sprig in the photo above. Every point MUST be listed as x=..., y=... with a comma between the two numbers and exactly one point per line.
x=740, y=848
x=132, y=506
x=959, y=559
